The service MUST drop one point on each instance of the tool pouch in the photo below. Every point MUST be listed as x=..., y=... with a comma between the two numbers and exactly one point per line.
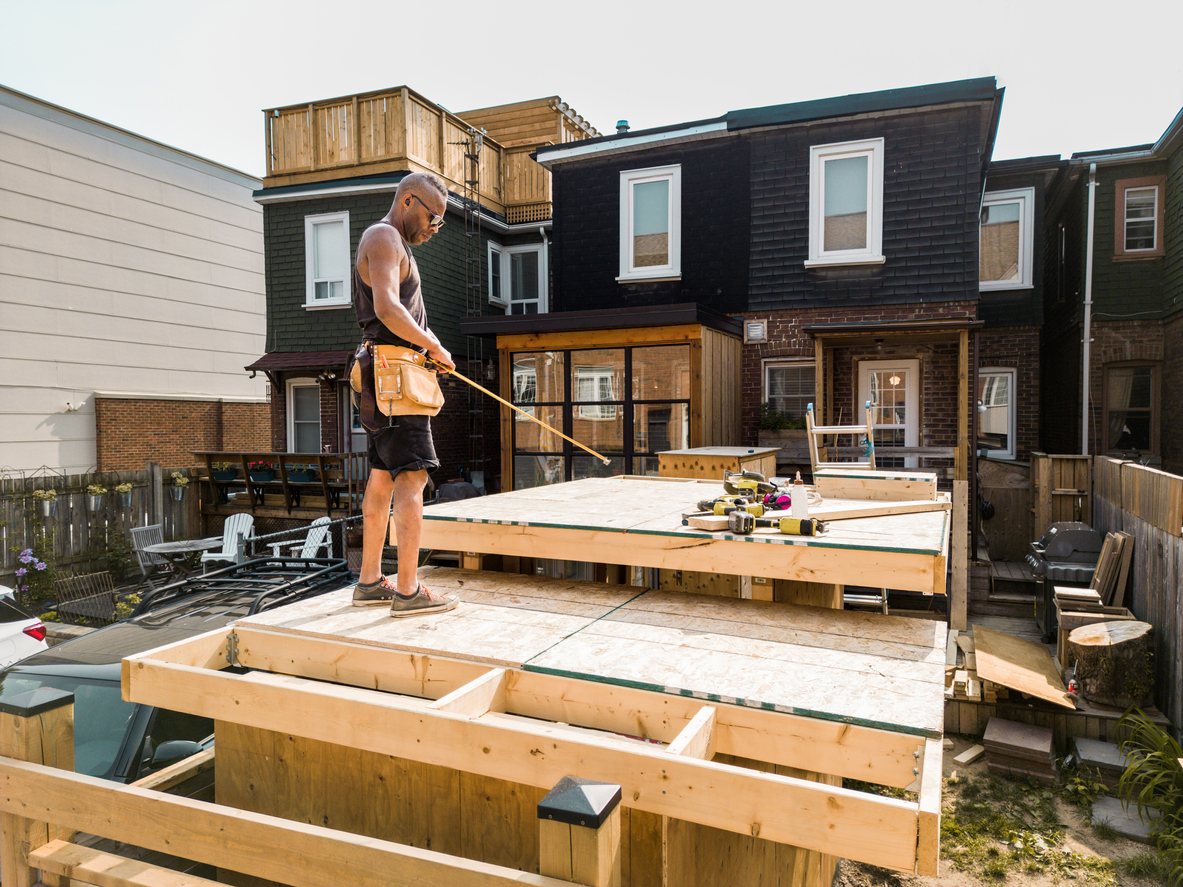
x=393, y=381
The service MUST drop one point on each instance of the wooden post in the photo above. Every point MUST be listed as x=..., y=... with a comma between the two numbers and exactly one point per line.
x=37, y=727
x=579, y=832
x=959, y=593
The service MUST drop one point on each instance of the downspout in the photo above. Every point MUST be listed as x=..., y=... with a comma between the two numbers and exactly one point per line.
x=544, y=271
x=1088, y=313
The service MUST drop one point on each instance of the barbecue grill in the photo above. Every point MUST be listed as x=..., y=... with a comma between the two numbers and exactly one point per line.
x=1067, y=552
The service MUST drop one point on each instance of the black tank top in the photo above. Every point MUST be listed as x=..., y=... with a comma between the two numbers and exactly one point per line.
x=410, y=294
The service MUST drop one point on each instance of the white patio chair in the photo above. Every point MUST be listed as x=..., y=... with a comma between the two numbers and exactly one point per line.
x=317, y=538
x=238, y=529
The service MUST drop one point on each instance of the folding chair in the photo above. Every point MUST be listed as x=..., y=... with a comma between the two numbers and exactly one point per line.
x=238, y=529
x=150, y=564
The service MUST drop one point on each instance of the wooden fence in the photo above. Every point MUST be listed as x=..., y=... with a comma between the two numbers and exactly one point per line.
x=75, y=531
x=1148, y=504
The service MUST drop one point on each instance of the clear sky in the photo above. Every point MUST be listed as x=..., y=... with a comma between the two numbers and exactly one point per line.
x=197, y=75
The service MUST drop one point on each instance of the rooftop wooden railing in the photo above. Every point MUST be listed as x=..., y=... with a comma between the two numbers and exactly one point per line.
x=398, y=129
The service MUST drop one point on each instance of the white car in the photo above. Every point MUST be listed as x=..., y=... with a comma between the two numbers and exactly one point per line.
x=21, y=635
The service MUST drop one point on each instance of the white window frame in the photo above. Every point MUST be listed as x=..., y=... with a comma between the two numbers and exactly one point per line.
x=600, y=377
x=497, y=296
x=629, y=179
x=310, y=281
x=289, y=406
x=1011, y=426
x=1025, y=198
x=507, y=254
x=779, y=363
x=819, y=155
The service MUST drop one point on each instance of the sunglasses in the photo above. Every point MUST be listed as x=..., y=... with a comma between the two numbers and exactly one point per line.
x=433, y=221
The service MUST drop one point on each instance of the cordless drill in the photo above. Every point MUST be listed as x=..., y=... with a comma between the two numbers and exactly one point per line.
x=744, y=523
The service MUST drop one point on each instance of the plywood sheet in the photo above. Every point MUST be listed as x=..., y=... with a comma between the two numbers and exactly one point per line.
x=845, y=666
x=503, y=619
x=1020, y=665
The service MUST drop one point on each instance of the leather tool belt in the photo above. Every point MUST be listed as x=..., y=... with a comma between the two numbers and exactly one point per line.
x=393, y=381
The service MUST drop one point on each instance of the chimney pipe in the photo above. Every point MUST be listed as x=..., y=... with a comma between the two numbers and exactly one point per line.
x=621, y=127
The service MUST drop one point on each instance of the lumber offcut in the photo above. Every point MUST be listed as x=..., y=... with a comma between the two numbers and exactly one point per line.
x=1114, y=662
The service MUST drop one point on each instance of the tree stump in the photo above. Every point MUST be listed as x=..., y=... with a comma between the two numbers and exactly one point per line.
x=1114, y=662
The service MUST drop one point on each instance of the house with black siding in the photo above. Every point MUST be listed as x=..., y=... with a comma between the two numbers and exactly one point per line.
x=1122, y=290
x=843, y=235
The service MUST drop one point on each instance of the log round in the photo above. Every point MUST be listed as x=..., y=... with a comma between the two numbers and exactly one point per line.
x=1114, y=662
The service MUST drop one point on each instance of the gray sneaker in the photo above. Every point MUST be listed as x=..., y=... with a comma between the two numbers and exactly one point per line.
x=379, y=594
x=421, y=603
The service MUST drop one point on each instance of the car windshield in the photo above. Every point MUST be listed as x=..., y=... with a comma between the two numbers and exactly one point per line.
x=101, y=717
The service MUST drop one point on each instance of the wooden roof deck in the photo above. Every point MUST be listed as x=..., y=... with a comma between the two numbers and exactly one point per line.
x=884, y=672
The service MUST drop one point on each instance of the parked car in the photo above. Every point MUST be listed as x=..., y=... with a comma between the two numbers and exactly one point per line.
x=21, y=633
x=125, y=741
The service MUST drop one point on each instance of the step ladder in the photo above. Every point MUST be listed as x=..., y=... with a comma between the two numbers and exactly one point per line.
x=863, y=436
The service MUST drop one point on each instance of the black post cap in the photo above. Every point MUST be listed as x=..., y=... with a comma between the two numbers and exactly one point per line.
x=579, y=802
x=36, y=702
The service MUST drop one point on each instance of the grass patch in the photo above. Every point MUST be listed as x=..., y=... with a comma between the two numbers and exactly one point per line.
x=1147, y=864
x=993, y=826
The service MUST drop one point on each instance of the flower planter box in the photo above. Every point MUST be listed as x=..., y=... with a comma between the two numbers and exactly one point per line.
x=302, y=477
x=261, y=477
x=224, y=474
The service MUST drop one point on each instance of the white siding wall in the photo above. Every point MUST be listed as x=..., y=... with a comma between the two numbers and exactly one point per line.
x=126, y=267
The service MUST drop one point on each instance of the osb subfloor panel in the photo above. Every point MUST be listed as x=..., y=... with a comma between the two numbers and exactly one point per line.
x=864, y=668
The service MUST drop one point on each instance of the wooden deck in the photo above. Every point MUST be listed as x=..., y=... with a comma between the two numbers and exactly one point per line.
x=637, y=521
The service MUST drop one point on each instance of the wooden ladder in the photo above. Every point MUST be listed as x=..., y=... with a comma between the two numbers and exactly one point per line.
x=867, y=432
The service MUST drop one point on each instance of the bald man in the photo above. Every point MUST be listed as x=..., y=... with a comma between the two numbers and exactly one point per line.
x=388, y=300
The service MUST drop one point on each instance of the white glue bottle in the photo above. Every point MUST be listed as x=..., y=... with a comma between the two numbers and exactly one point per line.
x=800, y=503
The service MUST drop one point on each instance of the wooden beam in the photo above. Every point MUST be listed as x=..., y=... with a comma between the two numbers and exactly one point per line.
x=697, y=738
x=928, y=844
x=89, y=866
x=658, y=335
x=878, y=830
x=485, y=694
x=959, y=593
x=175, y=774
x=880, y=756
x=249, y=843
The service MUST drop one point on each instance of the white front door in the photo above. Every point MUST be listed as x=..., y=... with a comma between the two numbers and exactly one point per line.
x=893, y=389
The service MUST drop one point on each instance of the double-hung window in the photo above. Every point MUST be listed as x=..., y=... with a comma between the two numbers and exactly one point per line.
x=651, y=224
x=1131, y=408
x=846, y=203
x=789, y=387
x=517, y=278
x=1138, y=232
x=1006, y=239
x=328, y=274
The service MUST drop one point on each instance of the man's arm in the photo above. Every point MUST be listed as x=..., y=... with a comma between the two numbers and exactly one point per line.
x=383, y=261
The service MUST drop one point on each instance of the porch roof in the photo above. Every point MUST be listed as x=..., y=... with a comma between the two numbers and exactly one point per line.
x=301, y=360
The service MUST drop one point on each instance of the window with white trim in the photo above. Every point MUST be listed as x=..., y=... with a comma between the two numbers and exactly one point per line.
x=303, y=409
x=789, y=387
x=595, y=383
x=846, y=203
x=496, y=291
x=1139, y=225
x=517, y=278
x=1006, y=239
x=651, y=223
x=327, y=270
x=996, y=412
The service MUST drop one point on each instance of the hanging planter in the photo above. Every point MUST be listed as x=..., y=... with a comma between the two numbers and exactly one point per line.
x=47, y=507
x=125, y=500
x=94, y=503
x=177, y=493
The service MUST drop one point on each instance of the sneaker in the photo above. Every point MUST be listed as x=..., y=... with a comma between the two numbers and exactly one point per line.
x=375, y=594
x=421, y=603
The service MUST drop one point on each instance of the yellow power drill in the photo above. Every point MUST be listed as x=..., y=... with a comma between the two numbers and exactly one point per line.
x=744, y=523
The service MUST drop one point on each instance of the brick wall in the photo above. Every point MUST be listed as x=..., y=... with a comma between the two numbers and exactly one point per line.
x=130, y=433
x=787, y=339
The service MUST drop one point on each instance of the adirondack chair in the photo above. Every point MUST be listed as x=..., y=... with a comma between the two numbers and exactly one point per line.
x=316, y=539
x=238, y=529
